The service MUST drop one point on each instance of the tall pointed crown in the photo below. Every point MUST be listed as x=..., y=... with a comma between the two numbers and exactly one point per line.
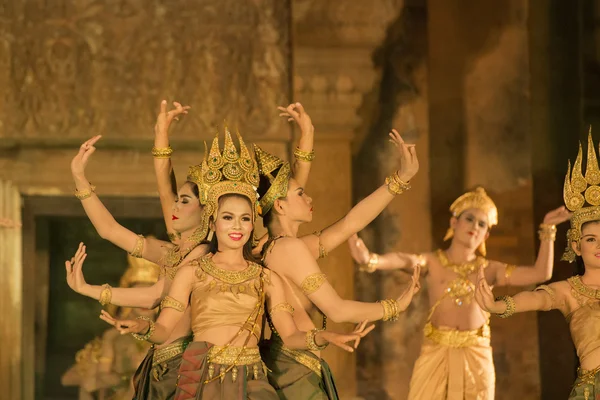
x=225, y=172
x=267, y=163
x=581, y=194
x=139, y=271
x=478, y=199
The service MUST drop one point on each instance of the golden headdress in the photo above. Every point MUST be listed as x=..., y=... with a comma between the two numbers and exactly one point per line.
x=581, y=195
x=478, y=199
x=267, y=163
x=227, y=172
x=139, y=270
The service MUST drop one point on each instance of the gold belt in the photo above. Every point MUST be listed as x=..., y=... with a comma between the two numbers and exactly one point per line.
x=301, y=357
x=166, y=353
x=228, y=355
x=587, y=377
x=456, y=338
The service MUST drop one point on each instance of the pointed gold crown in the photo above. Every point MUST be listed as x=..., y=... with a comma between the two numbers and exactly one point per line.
x=478, y=199
x=139, y=271
x=581, y=194
x=267, y=163
x=226, y=172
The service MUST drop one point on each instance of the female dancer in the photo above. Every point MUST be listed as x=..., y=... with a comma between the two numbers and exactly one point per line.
x=577, y=298
x=227, y=290
x=284, y=206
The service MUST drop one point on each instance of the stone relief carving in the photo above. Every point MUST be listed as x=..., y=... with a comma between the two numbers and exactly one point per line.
x=73, y=68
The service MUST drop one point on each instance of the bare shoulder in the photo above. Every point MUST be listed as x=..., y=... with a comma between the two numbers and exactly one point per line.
x=152, y=241
x=561, y=287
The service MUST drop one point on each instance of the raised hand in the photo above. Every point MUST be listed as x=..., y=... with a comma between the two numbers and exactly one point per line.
x=74, y=267
x=409, y=164
x=484, y=296
x=358, y=250
x=557, y=216
x=406, y=297
x=295, y=112
x=340, y=339
x=165, y=117
x=80, y=161
x=127, y=325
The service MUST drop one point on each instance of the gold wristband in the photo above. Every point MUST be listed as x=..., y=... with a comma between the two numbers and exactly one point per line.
x=162, y=152
x=396, y=185
x=148, y=333
x=510, y=306
x=371, y=266
x=391, y=311
x=85, y=194
x=306, y=156
x=547, y=232
x=311, y=343
x=105, y=295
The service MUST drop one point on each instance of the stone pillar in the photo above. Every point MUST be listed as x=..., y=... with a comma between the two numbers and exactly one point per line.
x=11, y=304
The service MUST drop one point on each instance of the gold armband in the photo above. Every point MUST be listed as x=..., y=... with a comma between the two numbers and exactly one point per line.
x=508, y=271
x=105, y=295
x=311, y=343
x=547, y=232
x=322, y=252
x=138, y=248
x=85, y=194
x=510, y=306
x=169, y=302
x=162, y=152
x=391, y=311
x=396, y=185
x=312, y=283
x=148, y=333
x=301, y=155
x=282, y=307
x=550, y=292
x=371, y=266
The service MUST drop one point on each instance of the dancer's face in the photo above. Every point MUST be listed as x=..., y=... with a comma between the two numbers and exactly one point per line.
x=589, y=245
x=187, y=211
x=471, y=227
x=233, y=225
x=297, y=205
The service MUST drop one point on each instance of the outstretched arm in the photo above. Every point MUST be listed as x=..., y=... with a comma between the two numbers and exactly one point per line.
x=371, y=262
x=542, y=269
x=146, y=297
x=173, y=310
x=292, y=337
x=163, y=168
x=292, y=258
x=371, y=206
x=544, y=298
x=303, y=157
x=106, y=226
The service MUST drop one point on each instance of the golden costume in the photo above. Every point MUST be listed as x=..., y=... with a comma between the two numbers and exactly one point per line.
x=294, y=373
x=582, y=197
x=455, y=364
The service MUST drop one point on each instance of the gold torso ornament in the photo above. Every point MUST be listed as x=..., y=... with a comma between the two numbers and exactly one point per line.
x=461, y=289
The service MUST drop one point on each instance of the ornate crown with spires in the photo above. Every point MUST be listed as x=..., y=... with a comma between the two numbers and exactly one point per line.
x=226, y=172
x=267, y=163
x=581, y=194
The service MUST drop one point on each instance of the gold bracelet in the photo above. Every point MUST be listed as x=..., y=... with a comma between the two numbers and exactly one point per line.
x=547, y=232
x=371, y=266
x=85, y=194
x=391, y=311
x=105, y=295
x=148, y=333
x=302, y=155
x=396, y=185
x=510, y=306
x=311, y=343
x=138, y=249
x=162, y=152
